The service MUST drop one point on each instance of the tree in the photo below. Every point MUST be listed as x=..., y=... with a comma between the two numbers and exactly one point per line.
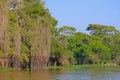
x=79, y=44
x=36, y=32
x=67, y=30
x=3, y=26
x=100, y=50
x=14, y=31
x=101, y=30
x=59, y=45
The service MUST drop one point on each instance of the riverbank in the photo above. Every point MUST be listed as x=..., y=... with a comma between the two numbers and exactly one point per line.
x=70, y=67
x=84, y=67
x=6, y=69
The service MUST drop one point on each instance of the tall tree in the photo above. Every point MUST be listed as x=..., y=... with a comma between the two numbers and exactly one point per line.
x=36, y=32
x=15, y=31
x=3, y=26
x=101, y=30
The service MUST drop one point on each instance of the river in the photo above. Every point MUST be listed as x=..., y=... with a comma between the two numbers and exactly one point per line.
x=74, y=74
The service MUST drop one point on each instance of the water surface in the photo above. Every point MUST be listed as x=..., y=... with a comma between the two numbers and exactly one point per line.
x=76, y=74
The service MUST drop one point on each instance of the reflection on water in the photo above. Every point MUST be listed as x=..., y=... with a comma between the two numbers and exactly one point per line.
x=81, y=74
x=90, y=75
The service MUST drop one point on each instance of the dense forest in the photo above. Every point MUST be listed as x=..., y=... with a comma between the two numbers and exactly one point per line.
x=25, y=33
x=100, y=46
x=30, y=39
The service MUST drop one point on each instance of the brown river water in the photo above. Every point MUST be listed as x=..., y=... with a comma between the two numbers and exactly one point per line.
x=75, y=74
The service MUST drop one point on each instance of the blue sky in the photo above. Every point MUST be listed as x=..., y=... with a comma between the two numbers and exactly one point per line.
x=80, y=13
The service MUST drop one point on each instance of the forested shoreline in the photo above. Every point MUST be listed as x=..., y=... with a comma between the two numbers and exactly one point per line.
x=30, y=39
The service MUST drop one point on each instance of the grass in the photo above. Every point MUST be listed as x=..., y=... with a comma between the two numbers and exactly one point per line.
x=84, y=67
x=6, y=69
x=87, y=66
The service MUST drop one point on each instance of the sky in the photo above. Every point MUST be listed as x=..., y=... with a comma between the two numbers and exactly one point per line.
x=80, y=13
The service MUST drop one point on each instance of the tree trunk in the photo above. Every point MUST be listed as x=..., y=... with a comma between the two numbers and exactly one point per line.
x=3, y=26
x=16, y=60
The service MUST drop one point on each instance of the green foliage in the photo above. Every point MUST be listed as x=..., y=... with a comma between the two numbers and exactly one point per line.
x=24, y=53
x=13, y=24
x=102, y=30
x=6, y=69
x=57, y=49
x=24, y=57
x=67, y=31
x=2, y=55
x=24, y=49
x=36, y=9
x=53, y=28
x=12, y=52
x=89, y=49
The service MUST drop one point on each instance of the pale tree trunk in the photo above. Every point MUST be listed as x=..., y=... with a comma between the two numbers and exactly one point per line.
x=17, y=4
x=17, y=43
x=4, y=45
x=3, y=26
